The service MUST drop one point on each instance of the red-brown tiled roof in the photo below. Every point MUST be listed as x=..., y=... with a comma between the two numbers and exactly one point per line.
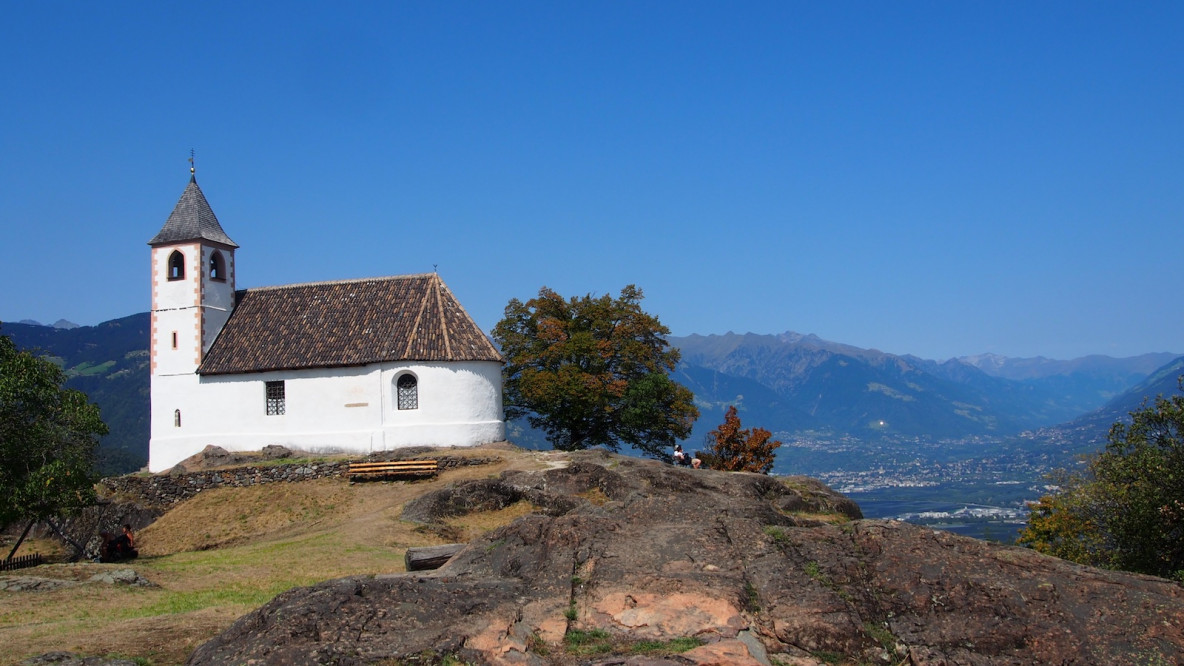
x=346, y=323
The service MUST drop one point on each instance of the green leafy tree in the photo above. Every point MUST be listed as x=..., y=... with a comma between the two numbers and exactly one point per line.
x=1126, y=511
x=736, y=449
x=48, y=438
x=593, y=371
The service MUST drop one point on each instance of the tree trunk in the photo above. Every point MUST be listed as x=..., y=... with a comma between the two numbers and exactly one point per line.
x=79, y=550
x=21, y=540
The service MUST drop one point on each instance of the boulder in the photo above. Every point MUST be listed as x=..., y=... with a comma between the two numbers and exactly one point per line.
x=430, y=557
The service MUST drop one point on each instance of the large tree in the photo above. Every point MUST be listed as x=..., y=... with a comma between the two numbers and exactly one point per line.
x=592, y=371
x=48, y=438
x=1126, y=511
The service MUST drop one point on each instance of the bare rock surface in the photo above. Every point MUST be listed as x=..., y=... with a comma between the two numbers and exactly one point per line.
x=121, y=577
x=106, y=576
x=34, y=583
x=635, y=551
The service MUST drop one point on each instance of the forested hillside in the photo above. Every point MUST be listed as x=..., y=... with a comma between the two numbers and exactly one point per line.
x=108, y=362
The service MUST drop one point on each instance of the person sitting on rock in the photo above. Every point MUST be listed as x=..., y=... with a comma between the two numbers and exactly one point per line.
x=680, y=458
x=695, y=462
x=121, y=547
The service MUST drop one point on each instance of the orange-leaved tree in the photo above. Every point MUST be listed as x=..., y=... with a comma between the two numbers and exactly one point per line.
x=737, y=449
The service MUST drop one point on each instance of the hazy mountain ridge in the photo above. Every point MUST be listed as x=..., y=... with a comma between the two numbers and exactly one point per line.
x=1039, y=367
x=867, y=392
x=1091, y=429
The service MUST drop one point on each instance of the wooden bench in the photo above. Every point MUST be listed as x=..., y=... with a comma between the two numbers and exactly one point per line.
x=392, y=468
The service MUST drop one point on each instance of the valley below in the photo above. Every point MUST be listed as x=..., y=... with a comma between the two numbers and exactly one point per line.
x=975, y=486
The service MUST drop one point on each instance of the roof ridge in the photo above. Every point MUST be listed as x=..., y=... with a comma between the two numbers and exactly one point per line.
x=423, y=304
x=385, y=278
x=443, y=315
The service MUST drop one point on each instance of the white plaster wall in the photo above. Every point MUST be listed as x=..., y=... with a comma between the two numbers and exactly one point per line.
x=450, y=395
x=176, y=293
x=168, y=393
x=217, y=295
x=349, y=409
x=175, y=309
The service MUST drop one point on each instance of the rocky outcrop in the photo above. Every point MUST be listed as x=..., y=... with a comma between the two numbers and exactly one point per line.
x=633, y=562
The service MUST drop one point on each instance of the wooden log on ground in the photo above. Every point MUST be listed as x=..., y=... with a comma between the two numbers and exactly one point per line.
x=431, y=557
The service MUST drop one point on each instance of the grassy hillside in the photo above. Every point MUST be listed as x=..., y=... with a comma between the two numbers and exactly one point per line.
x=227, y=551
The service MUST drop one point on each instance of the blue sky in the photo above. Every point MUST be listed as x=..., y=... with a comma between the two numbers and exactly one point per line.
x=938, y=179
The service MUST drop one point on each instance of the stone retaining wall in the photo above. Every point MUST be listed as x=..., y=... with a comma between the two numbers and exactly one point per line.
x=164, y=490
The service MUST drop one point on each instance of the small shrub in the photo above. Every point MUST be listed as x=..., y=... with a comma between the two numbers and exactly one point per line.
x=537, y=645
x=672, y=646
x=752, y=598
x=596, y=641
x=882, y=635
x=780, y=537
x=813, y=571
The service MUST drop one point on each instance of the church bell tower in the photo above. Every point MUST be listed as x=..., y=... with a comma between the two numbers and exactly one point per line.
x=192, y=285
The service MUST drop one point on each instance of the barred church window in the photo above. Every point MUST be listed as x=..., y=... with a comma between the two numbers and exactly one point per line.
x=408, y=392
x=217, y=271
x=275, y=398
x=176, y=265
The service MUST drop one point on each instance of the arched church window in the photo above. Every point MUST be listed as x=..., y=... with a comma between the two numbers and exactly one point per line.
x=217, y=267
x=407, y=390
x=176, y=418
x=176, y=265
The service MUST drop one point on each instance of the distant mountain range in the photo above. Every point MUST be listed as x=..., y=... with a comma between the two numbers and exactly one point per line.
x=1089, y=431
x=61, y=323
x=790, y=383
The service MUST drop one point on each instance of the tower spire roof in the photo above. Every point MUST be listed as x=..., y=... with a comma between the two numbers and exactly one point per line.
x=192, y=219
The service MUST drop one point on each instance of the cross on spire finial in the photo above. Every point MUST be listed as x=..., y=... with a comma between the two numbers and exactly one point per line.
x=192, y=171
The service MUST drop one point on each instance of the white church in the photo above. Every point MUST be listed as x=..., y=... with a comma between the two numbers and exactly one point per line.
x=354, y=366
